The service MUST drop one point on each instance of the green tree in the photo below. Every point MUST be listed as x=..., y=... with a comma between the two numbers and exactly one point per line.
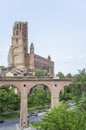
x=39, y=96
x=76, y=91
x=63, y=118
x=60, y=75
x=69, y=75
x=39, y=73
x=9, y=101
x=82, y=102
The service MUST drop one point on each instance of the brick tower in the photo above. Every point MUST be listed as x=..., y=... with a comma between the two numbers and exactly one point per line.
x=18, y=52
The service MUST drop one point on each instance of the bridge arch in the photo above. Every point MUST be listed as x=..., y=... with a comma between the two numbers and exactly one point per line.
x=35, y=88
x=14, y=85
x=39, y=85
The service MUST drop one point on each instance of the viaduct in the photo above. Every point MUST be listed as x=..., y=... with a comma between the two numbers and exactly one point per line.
x=25, y=84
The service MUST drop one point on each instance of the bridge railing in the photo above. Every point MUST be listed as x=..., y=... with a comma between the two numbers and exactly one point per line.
x=32, y=78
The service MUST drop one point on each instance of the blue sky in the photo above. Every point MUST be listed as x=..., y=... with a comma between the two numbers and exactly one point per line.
x=56, y=27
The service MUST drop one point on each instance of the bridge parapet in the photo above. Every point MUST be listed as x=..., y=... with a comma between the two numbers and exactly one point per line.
x=34, y=79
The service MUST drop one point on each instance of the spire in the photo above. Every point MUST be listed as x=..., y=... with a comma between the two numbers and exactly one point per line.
x=31, y=48
x=49, y=58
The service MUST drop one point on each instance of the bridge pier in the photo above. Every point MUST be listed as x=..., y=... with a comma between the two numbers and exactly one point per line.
x=54, y=101
x=24, y=122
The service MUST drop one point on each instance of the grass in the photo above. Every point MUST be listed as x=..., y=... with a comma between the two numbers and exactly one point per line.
x=39, y=109
x=16, y=114
x=10, y=115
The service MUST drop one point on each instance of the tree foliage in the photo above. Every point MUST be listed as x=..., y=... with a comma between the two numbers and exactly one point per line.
x=60, y=75
x=39, y=73
x=62, y=118
x=9, y=101
x=39, y=96
x=69, y=75
x=76, y=91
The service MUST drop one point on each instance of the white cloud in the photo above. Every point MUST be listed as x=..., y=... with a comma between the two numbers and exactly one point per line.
x=69, y=59
x=73, y=59
x=3, y=51
x=3, y=56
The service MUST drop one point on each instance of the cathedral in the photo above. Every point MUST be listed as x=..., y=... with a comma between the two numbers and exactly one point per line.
x=20, y=60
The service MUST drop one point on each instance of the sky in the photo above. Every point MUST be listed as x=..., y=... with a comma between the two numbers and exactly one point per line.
x=56, y=28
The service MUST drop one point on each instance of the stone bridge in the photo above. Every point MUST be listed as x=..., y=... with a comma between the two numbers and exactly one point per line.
x=25, y=84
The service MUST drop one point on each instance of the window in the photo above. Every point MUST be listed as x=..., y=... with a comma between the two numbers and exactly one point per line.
x=17, y=32
x=16, y=41
x=17, y=26
x=20, y=26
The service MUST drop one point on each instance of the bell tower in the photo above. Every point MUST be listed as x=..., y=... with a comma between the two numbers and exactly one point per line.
x=19, y=49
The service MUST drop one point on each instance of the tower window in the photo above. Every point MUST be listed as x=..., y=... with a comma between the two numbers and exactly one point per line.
x=16, y=41
x=20, y=26
x=17, y=26
x=14, y=33
x=17, y=32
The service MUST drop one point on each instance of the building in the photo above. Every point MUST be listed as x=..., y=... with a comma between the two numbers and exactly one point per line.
x=19, y=57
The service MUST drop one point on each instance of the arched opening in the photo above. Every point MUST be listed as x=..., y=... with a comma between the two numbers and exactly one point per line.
x=9, y=103
x=39, y=99
x=39, y=95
